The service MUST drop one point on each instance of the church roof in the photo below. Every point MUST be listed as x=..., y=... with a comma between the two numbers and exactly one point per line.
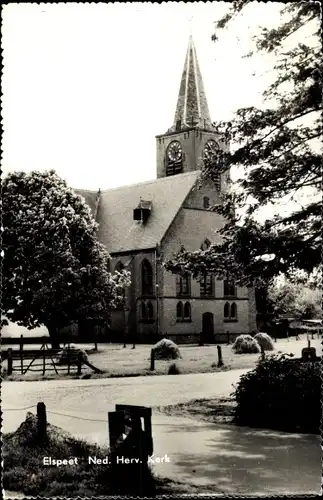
x=119, y=232
x=192, y=108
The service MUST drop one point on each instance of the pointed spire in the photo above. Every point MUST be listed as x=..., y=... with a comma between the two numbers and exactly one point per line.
x=192, y=107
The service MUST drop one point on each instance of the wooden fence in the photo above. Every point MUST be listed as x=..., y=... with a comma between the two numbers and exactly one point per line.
x=41, y=360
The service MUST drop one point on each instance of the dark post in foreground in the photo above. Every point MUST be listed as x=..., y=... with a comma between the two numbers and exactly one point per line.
x=9, y=361
x=21, y=348
x=262, y=352
x=79, y=363
x=41, y=422
x=220, y=359
x=152, y=360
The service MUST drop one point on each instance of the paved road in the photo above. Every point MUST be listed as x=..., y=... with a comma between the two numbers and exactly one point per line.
x=232, y=460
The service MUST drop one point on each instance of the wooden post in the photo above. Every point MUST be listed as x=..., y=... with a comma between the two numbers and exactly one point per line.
x=41, y=422
x=21, y=348
x=308, y=342
x=262, y=352
x=9, y=361
x=95, y=346
x=79, y=363
x=116, y=427
x=68, y=360
x=220, y=360
x=152, y=360
x=44, y=364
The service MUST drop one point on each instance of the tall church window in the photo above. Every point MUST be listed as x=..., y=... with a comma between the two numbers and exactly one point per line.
x=206, y=202
x=174, y=158
x=233, y=312
x=230, y=311
x=179, y=311
x=183, y=284
x=150, y=311
x=187, y=311
x=143, y=311
x=206, y=286
x=146, y=278
x=229, y=288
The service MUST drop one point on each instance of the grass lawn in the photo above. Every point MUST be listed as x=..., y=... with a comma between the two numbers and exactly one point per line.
x=117, y=361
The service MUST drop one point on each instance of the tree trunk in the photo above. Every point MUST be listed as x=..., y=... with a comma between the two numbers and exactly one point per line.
x=53, y=336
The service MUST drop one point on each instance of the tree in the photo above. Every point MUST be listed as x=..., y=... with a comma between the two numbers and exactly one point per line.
x=55, y=272
x=276, y=147
x=295, y=299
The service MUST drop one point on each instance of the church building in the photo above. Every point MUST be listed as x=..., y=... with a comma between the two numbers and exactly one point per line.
x=143, y=225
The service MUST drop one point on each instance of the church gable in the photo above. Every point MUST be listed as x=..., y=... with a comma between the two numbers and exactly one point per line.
x=137, y=217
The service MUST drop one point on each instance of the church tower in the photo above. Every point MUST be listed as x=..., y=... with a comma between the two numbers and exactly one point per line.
x=192, y=135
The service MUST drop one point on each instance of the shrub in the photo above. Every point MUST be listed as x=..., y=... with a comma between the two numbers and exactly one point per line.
x=72, y=351
x=280, y=393
x=173, y=369
x=245, y=344
x=166, y=349
x=265, y=341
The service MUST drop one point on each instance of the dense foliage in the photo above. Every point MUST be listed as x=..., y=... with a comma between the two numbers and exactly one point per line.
x=280, y=393
x=297, y=299
x=55, y=272
x=277, y=147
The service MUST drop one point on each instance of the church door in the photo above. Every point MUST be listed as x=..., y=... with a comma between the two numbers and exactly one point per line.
x=207, y=327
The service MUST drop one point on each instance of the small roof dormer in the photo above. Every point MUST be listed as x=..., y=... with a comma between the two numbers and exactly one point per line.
x=142, y=212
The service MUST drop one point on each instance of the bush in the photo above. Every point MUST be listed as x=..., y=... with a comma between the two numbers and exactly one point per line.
x=265, y=341
x=166, y=349
x=245, y=344
x=72, y=351
x=173, y=369
x=280, y=393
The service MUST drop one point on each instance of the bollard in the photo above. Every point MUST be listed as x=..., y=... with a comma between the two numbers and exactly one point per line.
x=41, y=422
x=79, y=363
x=220, y=360
x=21, y=348
x=152, y=360
x=262, y=352
x=9, y=361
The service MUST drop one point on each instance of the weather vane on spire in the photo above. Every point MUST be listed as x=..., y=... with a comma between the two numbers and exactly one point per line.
x=191, y=25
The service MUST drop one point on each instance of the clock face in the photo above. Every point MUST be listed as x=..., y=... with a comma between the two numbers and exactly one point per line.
x=174, y=151
x=210, y=149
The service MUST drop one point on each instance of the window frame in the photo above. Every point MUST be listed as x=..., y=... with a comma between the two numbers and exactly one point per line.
x=147, y=289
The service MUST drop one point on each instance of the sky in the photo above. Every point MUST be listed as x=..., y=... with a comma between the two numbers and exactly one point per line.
x=87, y=87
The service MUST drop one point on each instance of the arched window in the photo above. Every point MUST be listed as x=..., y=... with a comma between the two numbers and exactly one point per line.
x=206, y=202
x=206, y=286
x=143, y=311
x=205, y=245
x=226, y=310
x=146, y=278
x=150, y=311
x=229, y=289
x=233, y=313
x=187, y=310
x=119, y=267
x=183, y=284
x=179, y=311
